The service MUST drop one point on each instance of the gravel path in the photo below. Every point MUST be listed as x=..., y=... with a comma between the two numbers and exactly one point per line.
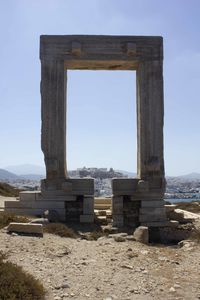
x=105, y=269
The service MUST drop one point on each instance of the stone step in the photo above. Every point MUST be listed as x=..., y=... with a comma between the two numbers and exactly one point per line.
x=152, y=203
x=152, y=210
x=167, y=223
x=99, y=212
x=102, y=206
x=100, y=200
x=102, y=220
x=153, y=218
x=170, y=208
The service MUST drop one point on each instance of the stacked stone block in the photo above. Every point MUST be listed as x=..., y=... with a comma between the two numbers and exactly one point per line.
x=133, y=203
x=76, y=204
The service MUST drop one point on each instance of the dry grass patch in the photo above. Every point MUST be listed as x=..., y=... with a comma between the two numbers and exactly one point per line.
x=195, y=235
x=6, y=218
x=193, y=206
x=8, y=191
x=60, y=229
x=16, y=284
x=65, y=231
x=93, y=235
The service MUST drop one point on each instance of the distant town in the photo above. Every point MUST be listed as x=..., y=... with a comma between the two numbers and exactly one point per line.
x=180, y=187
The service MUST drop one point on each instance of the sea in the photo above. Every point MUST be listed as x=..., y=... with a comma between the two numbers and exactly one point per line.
x=177, y=200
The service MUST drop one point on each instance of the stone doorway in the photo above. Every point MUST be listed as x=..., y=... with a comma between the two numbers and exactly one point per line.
x=80, y=52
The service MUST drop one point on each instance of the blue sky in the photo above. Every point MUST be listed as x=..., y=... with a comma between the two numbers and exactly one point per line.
x=101, y=105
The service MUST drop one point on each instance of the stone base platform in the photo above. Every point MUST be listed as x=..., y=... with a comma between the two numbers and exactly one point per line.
x=74, y=203
x=138, y=202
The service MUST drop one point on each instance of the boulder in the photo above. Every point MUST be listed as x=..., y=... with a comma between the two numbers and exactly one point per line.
x=141, y=234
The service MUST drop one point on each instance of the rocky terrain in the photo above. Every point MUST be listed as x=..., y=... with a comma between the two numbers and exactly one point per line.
x=106, y=269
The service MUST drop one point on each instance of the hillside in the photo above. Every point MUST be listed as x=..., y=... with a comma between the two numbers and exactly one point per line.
x=8, y=191
x=6, y=175
x=191, y=176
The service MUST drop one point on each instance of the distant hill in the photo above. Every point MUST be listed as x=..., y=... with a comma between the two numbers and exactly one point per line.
x=9, y=176
x=26, y=169
x=191, y=176
x=32, y=176
x=36, y=172
x=5, y=175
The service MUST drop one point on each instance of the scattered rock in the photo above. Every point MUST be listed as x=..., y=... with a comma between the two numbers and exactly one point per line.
x=72, y=294
x=42, y=221
x=117, y=235
x=62, y=251
x=122, y=234
x=14, y=234
x=113, y=259
x=186, y=243
x=62, y=286
x=101, y=238
x=132, y=255
x=172, y=289
x=163, y=258
x=130, y=238
x=96, y=270
x=127, y=267
x=119, y=239
x=177, y=286
x=113, y=229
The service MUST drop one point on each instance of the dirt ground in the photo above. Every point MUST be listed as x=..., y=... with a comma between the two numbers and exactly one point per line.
x=106, y=269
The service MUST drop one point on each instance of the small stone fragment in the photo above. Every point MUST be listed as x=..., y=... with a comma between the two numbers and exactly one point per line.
x=65, y=286
x=14, y=234
x=177, y=286
x=119, y=239
x=132, y=254
x=130, y=238
x=127, y=267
